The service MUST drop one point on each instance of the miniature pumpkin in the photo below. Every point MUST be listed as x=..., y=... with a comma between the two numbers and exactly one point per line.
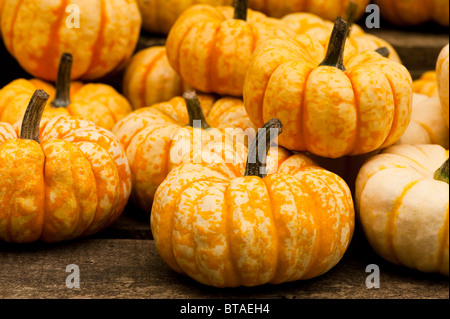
x=38, y=32
x=157, y=138
x=99, y=103
x=427, y=126
x=228, y=228
x=328, y=109
x=402, y=199
x=149, y=79
x=2, y=3
x=160, y=15
x=442, y=80
x=76, y=181
x=427, y=84
x=328, y=10
x=414, y=12
x=320, y=29
x=211, y=50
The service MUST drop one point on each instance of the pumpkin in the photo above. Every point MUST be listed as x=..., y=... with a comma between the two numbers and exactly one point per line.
x=227, y=228
x=211, y=47
x=427, y=84
x=160, y=15
x=427, y=125
x=76, y=181
x=328, y=109
x=96, y=102
x=320, y=29
x=38, y=32
x=328, y=10
x=157, y=138
x=442, y=80
x=2, y=3
x=402, y=200
x=414, y=12
x=149, y=79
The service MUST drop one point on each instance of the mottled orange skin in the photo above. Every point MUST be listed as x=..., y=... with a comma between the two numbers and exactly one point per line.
x=36, y=34
x=427, y=84
x=211, y=50
x=442, y=73
x=157, y=138
x=149, y=79
x=223, y=229
x=2, y=3
x=414, y=12
x=99, y=103
x=160, y=15
x=320, y=29
x=75, y=183
x=326, y=9
x=326, y=111
x=403, y=209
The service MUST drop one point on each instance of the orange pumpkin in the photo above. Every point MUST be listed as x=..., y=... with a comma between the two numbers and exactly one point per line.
x=211, y=47
x=38, y=32
x=157, y=138
x=149, y=79
x=329, y=109
x=99, y=103
x=76, y=181
x=320, y=29
x=414, y=12
x=2, y=3
x=160, y=15
x=329, y=10
x=225, y=227
x=427, y=84
x=442, y=72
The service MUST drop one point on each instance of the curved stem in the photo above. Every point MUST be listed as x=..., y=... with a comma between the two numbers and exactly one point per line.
x=257, y=154
x=33, y=115
x=195, y=111
x=383, y=51
x=62, y=98
x=336, y=46
x=240, y=9
x=442, y=173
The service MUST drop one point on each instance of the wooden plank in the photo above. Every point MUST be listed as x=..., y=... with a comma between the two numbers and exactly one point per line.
x=132, y=269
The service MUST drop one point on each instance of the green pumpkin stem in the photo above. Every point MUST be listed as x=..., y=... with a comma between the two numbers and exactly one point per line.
x=442, y=173
x=351, y=15
x=336, y=46
x=62, y=98
x=240, y=9
x=383, y=51
x=33, y=115
x=257, y=154
x=195, y=110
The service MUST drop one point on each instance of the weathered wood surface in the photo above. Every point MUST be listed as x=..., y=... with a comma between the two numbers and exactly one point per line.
x=132, y=269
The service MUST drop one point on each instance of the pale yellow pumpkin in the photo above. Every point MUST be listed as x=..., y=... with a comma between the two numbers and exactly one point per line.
x=402, y=198
x=427, y=125
x=442, y=71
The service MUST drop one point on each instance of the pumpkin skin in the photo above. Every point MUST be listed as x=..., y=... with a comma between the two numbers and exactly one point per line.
x=224, y=229
x=160, y=15
x=427, y=123
x=35, y=33
x=76, y=182
x=149, y=79
x=403, y=209
x=96, y=102
x=427, y=84
x=329, y=10
x=320, y=29
x=157, y=138
x=414, y=12
x=2, y=3
x=211, y=50
x=326, y=111
x=442, y=71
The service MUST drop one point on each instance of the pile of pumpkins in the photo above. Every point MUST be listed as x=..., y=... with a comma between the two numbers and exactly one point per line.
x=219, y=133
